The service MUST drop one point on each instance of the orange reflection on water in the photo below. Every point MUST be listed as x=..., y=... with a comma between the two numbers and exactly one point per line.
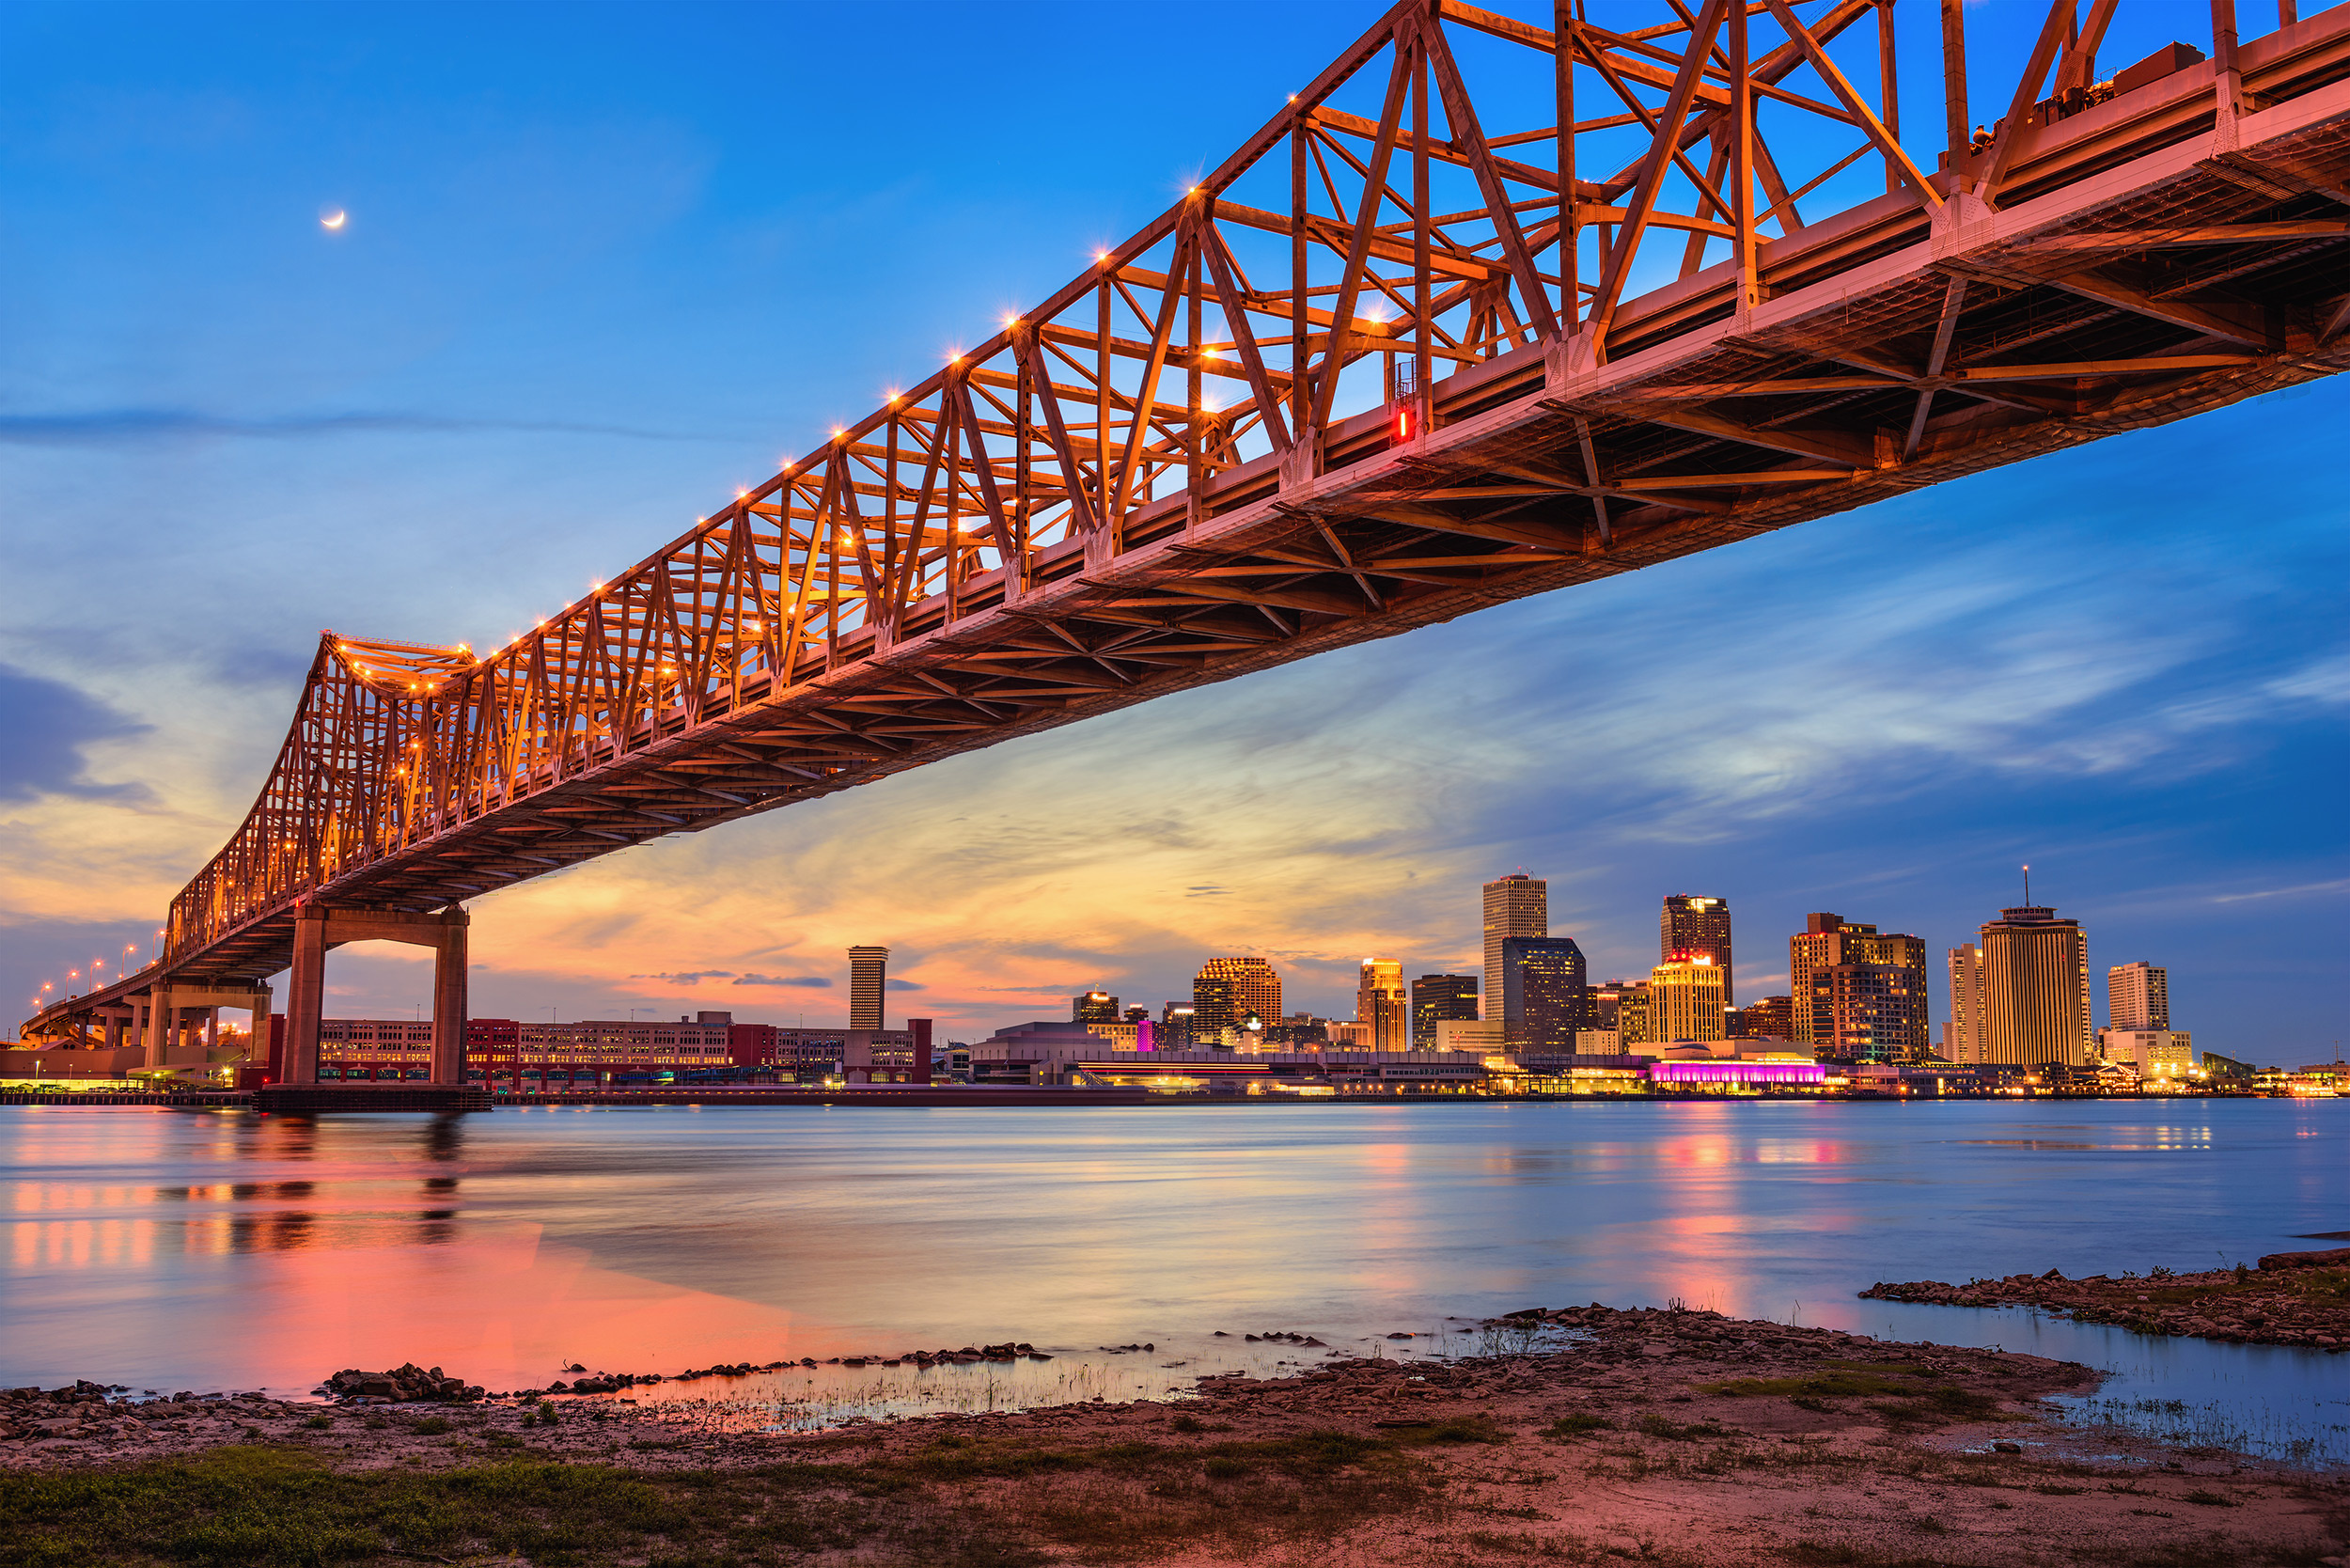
x=81, y=1243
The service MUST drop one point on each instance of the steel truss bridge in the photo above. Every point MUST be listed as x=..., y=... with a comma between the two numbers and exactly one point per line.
x=1550, y=302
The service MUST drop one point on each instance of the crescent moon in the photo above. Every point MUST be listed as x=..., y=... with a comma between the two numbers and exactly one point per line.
x=335, y=219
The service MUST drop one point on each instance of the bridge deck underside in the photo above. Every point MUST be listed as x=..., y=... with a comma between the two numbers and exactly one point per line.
x=1924, y=350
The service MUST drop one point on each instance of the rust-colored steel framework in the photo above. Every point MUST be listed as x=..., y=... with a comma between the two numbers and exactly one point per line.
x=1552, y=301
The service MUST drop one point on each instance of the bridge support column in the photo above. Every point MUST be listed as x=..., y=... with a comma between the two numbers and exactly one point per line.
x=449, y=999
x=306, y=996
x=162, y=1018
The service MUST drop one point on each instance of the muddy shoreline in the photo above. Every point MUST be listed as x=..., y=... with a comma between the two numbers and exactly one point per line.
x=1681, y=1437
x=2291, y=1298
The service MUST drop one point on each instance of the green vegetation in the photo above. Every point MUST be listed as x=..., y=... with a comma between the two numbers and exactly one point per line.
x=1574, y=1425
x=1839, y=1383
x=257, y=1506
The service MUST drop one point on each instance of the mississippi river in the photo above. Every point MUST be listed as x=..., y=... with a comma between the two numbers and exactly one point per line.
x=224, y=1251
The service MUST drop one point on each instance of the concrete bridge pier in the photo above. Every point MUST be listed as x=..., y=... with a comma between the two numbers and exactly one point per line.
x=176, y=1008
x=318, y=929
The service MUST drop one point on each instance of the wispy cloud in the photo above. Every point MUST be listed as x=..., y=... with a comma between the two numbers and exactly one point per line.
x=48, y=725
x=811, y=982
x=689, y=977
x=100, y=427
x=2340, y=884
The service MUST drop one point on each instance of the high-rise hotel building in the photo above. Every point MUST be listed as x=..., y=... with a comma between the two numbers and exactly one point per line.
x=1693, y=928
x=1516, y=905
x=1228, y=990
x=1380, y=1001
x=868, y=978
x=2137, y=996
x=2020, y=996
x=1894, y=1020
x=1688, y=999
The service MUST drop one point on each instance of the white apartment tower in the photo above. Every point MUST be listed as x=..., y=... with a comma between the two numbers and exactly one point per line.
x=2137, y=996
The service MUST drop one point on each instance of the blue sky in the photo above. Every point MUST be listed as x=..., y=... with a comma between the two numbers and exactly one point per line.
x=605, y=264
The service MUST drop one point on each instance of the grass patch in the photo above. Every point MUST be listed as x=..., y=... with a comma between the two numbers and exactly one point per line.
x=432, y=1426
x=1839, y=1383
x=1575, y=1425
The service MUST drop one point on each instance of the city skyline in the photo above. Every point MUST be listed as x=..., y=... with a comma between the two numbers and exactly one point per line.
x=1878, y=727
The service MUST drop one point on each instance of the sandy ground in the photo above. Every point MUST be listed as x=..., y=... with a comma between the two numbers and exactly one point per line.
x=1678, y=1437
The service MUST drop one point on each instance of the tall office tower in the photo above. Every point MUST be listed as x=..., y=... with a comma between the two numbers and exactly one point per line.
x=1174, y=1032
x=1135, y=1015
x=1094, y=1007
x=1830, y=940
x=2035, y=989
x=1692, y=928
x=1867, y=1012
x=2137, y=996
x=1517, y=905
x=1214, y=1009
x=1380, y=1001
x=1543, y=1000
x=1771, y=1018
x=1436, y=998
x=868, y=977
x=1255, y=987
x=1962, y=1032
x=1686, y=999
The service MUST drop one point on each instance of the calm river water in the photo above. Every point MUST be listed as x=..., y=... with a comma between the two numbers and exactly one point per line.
x=209, y=1250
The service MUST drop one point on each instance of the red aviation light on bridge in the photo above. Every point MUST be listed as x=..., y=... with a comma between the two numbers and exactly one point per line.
x=1402, y=424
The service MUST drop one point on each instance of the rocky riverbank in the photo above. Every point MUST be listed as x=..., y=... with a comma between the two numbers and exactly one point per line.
x=1680, y=1438
x=2292, y=1299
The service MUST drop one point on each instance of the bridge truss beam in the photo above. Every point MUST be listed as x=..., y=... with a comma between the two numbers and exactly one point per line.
x=1378, y=370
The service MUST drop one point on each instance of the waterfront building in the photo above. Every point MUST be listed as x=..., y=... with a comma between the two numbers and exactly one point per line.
x=1516, y=905
x=1693, y=928
x=506, y=1053
x=1094, y=1007
x=1962, y=1032
x=1768, y=1018
x=2137, y=996
x=1300, y=1032
x=1176, y=1021
x=1482, y=1036
x=1435, y=998
x=1543, y=985
x=2035, y=989
x=1685, y=1000
x=1380, y=1001
x=1347, y=1037
x=868, y=979
x=1867, y=1012
x=1255, y=987
x=1830, y=940
x=2156, y=1052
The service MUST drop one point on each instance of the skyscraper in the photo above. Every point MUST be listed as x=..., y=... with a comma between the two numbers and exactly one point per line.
x=1436, y=998
x=1866, y=1012
x=2035, y=989
x=1214, y=1009
x=1543, y=993
x=1827, y=940
x=1962, y=1032
x=1692, y=928
x=1255, y=989
x=1516, y=905
x=868, y=977
x=1379, y=1001
x=2137, y=996
x=1174, y=1032
x=1685, y=1000
x=1094, y=1007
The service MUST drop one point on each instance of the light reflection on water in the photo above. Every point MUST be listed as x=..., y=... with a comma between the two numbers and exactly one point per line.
x=178, y=1250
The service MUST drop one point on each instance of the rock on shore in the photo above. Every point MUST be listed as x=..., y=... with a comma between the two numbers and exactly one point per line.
x=2292, y=1298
